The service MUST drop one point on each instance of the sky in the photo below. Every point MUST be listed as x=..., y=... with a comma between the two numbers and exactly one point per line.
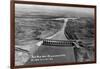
x=54, y=10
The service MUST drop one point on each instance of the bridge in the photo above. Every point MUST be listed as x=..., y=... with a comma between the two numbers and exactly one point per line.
x=63, y=34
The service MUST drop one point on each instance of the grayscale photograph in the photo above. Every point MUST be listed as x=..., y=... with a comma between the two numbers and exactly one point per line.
x=50, y=34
